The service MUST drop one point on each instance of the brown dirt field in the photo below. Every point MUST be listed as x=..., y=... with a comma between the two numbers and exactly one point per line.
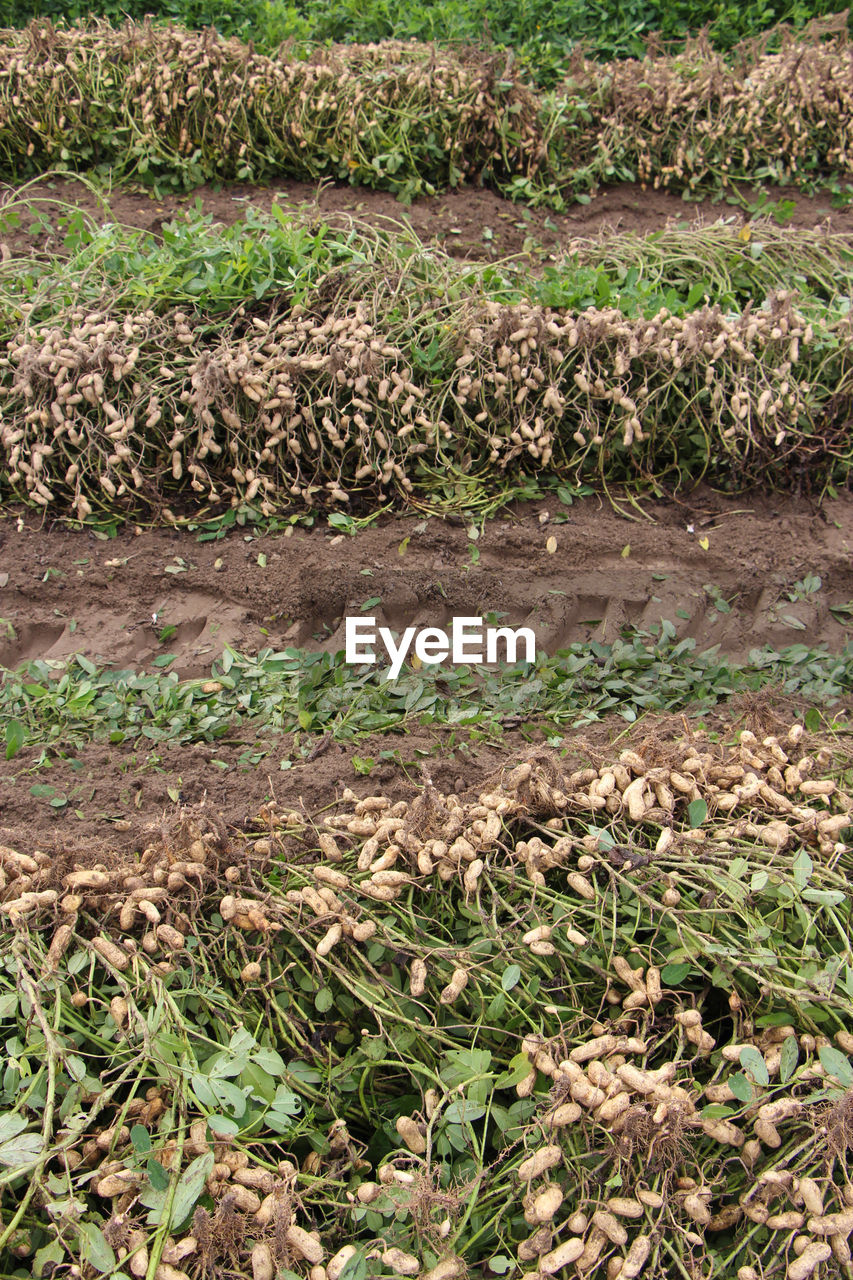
x=66, y=592
x=469, y=223
x=63, y=592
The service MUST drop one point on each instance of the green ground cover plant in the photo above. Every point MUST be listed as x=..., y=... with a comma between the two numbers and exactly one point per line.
x=195, y=262
x=52, y=703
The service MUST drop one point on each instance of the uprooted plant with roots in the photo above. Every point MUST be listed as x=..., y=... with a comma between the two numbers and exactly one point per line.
x=591, y=1019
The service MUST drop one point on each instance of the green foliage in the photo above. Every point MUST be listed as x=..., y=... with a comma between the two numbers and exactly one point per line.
x=295, y=690
x=542, y=34
x=214, y=268
x=189, y=262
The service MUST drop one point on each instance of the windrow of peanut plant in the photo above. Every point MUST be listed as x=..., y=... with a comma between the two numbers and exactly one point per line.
x=540, y=34
x=177, y=107
x=593, y=1021
x=366, y=369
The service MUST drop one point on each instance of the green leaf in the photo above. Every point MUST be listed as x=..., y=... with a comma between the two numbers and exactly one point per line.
x=518, y=1069
x=51, y=1253
x=270, y=1061
x=278, y=1121
x=141, y=1139
x=286, y=1101
x=202, y=1091
x=11, y=1125
x=500, y=1264
x=95, y=1250
x=17, y=1147
x=812, y=720
x=803, y=867
x=496, y=1007
x=462, y=1111
x=260, y=1082
x=824, y=897
x=355, y=1268
x=459, y=1065
x=836, y=1064
x=674, y=974
x=753, y=1063
x=780, y=1019
x=323, y=1000
x=230, y=1062
x=222, y=1126
x=510, y=976
x=230, y=1096
x=157, y=1175
x=788, y=1058
x=16, y=736
x=190, y=1187
x=156, y=1202
x=741, y=1087
x=75, y=1066
x=697, y=812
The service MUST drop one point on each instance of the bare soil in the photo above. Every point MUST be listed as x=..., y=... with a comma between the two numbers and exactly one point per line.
x=470, y=223
x=67, y=592
x=64, y=592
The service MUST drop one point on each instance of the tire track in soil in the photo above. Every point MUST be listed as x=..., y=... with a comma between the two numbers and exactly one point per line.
x=113, y=600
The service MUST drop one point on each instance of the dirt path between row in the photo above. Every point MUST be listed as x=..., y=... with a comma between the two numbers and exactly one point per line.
x=470, y=223
x=734, y=572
